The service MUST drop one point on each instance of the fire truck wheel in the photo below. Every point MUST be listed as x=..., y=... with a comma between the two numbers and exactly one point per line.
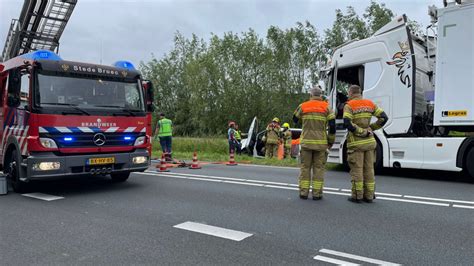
x=120, y=177
x=13, y=173
x=469, y=164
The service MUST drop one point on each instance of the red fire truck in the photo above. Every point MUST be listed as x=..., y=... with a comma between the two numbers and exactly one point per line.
x=63, y=119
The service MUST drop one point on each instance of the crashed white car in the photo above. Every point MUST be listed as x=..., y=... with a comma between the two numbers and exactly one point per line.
x=254, y=146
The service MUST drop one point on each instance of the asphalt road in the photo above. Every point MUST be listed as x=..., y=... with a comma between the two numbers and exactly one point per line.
x=253, y=214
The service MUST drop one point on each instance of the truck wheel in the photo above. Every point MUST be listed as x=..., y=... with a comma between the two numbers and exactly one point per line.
x=469, y=164
x=12, y=170
x=120, y=177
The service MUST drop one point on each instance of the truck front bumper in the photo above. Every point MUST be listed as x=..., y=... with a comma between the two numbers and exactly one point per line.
x=77, y=165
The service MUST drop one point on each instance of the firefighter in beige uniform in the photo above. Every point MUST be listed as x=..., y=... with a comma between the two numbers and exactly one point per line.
x=286, y=139
x=272, y=138
x=361, y=143
x=316, y=117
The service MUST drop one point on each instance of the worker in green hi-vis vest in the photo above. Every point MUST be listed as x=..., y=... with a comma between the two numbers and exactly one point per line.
x=164, y=131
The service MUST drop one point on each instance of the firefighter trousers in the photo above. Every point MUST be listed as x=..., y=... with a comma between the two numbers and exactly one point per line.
x=316, y=161
x=362, y=173
x=271, y=150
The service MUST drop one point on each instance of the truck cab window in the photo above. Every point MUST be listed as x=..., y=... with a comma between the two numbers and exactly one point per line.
x=25, y=90
x=373, y=71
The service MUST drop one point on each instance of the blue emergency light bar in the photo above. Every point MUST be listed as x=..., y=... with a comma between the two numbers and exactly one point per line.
x=124, y=64
x=127, y=138
x=68, y=139
x=41, y=55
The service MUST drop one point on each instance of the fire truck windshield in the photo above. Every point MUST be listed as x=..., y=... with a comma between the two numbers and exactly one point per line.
x=93, y=94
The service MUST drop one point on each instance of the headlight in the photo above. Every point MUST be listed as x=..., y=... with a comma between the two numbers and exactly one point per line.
x=140, y=159
x=140, y=141
x=46, y=166
x=48, y=143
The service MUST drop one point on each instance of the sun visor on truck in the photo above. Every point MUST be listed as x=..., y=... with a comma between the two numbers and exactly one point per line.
x=82, y=69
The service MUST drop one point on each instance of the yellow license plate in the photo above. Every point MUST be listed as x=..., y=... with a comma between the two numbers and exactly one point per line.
x=96, y=161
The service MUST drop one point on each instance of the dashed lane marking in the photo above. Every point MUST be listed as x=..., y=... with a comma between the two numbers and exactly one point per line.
x=328, y=190
x=334, y=261
x=415, y=201
x=268, y=166
x=355, y=257
x=463, y=206
x=436, y=199
x=213, y=231
x=42, y=196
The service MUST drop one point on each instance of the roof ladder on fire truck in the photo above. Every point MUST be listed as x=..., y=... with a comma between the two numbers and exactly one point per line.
x=39, y=27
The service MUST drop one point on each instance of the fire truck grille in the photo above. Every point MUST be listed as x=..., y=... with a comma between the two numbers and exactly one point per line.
x=84, y=140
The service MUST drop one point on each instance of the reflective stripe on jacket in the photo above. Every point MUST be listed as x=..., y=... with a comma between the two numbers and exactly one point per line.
x=359, y=112
x=315, y=115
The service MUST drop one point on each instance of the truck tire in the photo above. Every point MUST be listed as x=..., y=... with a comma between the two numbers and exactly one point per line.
x=469, y=164
x=12, y=170
x=120, y=177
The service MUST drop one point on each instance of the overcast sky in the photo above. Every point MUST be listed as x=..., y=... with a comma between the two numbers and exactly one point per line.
x=133, y=30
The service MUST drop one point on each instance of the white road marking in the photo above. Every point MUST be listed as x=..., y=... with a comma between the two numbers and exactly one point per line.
x=463, y=206
x=269, y=166
x=287, y=186
x=243, y=183
x=387, y=194
x=205, y=179
x=213, y=231
x=415, y=201
x=332, y=188
x=207, y=176
x=42, y=196
x=334, y=261
x=337, y=193
x=356, y=257
x=436, y=199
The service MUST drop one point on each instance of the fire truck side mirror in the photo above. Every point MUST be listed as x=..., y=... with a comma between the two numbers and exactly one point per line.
x=149, y=95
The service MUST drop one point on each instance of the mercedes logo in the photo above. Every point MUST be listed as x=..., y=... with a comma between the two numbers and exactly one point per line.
x=99, y=139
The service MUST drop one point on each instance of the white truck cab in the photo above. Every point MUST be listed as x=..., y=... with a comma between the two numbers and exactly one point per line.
x=425, y=84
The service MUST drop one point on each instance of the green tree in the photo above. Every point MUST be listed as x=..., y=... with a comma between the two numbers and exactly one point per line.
x=376, y=16
x=346, y=27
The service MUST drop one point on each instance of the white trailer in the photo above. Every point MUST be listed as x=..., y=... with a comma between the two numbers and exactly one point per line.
x=425, y=84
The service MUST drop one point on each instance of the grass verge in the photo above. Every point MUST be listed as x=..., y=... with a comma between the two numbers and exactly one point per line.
x=216, y=150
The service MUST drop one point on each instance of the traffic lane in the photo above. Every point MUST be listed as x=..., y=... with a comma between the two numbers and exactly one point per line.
x=435, y=184
x=131, y=225
x=286, y=229
x=398, y=232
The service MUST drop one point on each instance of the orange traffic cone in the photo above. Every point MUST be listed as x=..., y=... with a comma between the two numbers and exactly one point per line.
x=162, y=165
x=195, y=164
x=231, y=159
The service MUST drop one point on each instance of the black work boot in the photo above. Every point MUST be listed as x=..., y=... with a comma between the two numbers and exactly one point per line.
x=368, y=200
x=351, y=199
x=317, y=197
x=303, y=197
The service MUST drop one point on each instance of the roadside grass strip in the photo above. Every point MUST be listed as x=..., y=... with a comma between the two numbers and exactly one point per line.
x=328, y=190
x=213, y=231
x=344, y=255
x=42, y=196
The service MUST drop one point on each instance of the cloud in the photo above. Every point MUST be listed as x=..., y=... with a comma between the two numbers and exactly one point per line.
x=110, y=30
